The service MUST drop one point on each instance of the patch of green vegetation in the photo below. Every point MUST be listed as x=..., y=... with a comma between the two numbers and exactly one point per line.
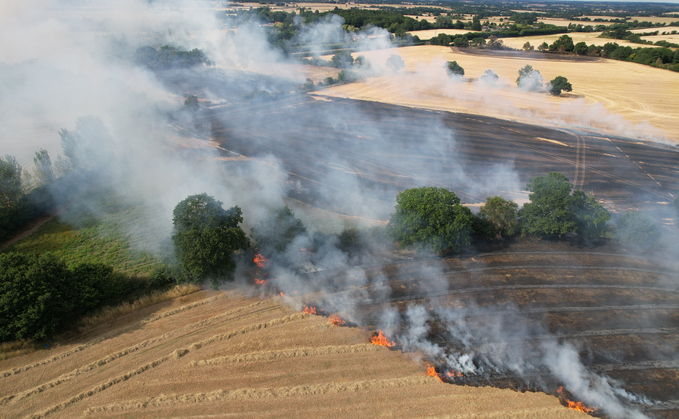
x=106, y=238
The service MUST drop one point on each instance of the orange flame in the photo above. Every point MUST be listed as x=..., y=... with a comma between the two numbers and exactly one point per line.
x=453, y=374
x=580, y=406
x=260, y=281
x=309, y=310
x=382, y=340
x=431, y=372
x=282, y=295
x=259, y=260
x=336, y=320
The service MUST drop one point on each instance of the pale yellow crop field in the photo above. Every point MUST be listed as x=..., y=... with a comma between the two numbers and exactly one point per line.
x=611, y=96
x=564, y=22
x=653, y=19
x=430, y=33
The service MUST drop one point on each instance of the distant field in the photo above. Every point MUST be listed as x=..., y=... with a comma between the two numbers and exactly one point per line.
x=589, y=38
x=653, y=19
x=430, y=33
x=607, y=94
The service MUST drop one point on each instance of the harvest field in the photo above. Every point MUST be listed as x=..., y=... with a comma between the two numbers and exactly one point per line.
x=617, y=97
x=199, y=353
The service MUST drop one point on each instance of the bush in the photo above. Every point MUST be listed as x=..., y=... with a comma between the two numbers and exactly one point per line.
x=453, y=68
x=637, y=228
x=41, y=295
x=277, y=231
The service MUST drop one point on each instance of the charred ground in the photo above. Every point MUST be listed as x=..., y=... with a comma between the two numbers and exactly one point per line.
x=619, y=306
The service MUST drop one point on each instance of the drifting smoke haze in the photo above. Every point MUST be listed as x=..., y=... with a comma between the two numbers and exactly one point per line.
x=70, y=64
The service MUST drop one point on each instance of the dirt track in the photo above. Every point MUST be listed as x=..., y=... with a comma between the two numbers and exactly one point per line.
x=214, y=353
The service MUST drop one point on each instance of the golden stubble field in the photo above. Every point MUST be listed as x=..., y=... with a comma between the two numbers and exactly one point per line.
x=216, y=353
x=612, y=96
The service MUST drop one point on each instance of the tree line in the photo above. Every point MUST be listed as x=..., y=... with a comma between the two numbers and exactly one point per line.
x=430, y=218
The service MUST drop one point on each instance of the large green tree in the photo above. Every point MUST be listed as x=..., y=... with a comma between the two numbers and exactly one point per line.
x=502, y=214
x=558, y=84
x=205, y=236
x=430, y=218
x=553, y=211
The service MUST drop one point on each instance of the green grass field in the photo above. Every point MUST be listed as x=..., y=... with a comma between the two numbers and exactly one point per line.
x=113, y=237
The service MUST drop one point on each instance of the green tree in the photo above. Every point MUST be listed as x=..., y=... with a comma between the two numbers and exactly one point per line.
x=528, y=47
x=489, y=76
x=476, y=24
x=453, y=68
x=461, y=42
x=205, y=236
x=549, y=212
x=580, y=48
x=43, y=167
x=523, y=72
x=559, y=84
x=637, y=228
x=478, y=42
x=430, y=218
x=395, y=63
x=10, y=183
x=591, y=216
x=342, y=59
x=503, y=214
x=191, y=103
x=543, y=47
x=563, y=44
x=275, y=233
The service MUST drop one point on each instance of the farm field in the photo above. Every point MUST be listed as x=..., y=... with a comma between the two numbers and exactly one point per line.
x=614, y=96
x=199, y=353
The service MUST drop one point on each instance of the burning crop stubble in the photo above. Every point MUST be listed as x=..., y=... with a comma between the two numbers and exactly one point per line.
x=350, y=157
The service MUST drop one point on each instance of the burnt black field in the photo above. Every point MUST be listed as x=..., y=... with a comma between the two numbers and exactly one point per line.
x=619, y=306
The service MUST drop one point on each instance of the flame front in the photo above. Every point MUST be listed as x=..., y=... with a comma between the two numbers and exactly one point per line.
x=431, y=372
x=309, y=310
x=259, y=260
x=336, y=320
x=580, y=406
x=382, y=340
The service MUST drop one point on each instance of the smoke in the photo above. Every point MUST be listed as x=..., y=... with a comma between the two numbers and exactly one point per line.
x=64, y=69
x=532, y=82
